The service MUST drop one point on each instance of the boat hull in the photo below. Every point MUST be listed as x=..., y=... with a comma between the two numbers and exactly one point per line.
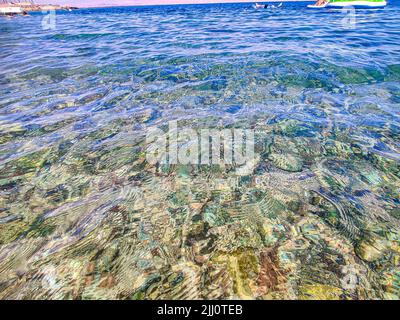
x=353, y=4
x=10, y=10
x=357, y=4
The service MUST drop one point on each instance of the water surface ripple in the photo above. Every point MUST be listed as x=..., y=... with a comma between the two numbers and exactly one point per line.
x=83, y=215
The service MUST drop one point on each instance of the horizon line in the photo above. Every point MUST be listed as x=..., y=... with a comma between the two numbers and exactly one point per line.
x=173, y=3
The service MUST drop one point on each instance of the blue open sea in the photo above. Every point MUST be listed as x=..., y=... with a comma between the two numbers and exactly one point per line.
x=85, y=215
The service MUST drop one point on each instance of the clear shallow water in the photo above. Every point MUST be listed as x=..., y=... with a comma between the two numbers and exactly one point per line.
x=82, y=213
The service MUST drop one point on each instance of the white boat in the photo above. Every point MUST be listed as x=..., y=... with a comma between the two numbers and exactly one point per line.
x=10, y=10
x=314, y=6
x=365, y=4
x=362, y=4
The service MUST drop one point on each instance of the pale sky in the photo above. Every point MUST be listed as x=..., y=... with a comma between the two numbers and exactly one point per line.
x=94, y=3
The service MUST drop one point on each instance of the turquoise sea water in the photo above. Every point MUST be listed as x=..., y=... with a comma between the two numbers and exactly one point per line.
x=83, y=215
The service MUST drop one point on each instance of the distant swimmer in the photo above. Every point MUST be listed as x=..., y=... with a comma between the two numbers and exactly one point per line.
x=275, y=7
x=321, y=3
x=259, y=6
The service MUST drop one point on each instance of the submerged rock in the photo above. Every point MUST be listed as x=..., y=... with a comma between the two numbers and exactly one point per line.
x=287, y=162
x=371, y=249
x=319, y=292
x=395, y=213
